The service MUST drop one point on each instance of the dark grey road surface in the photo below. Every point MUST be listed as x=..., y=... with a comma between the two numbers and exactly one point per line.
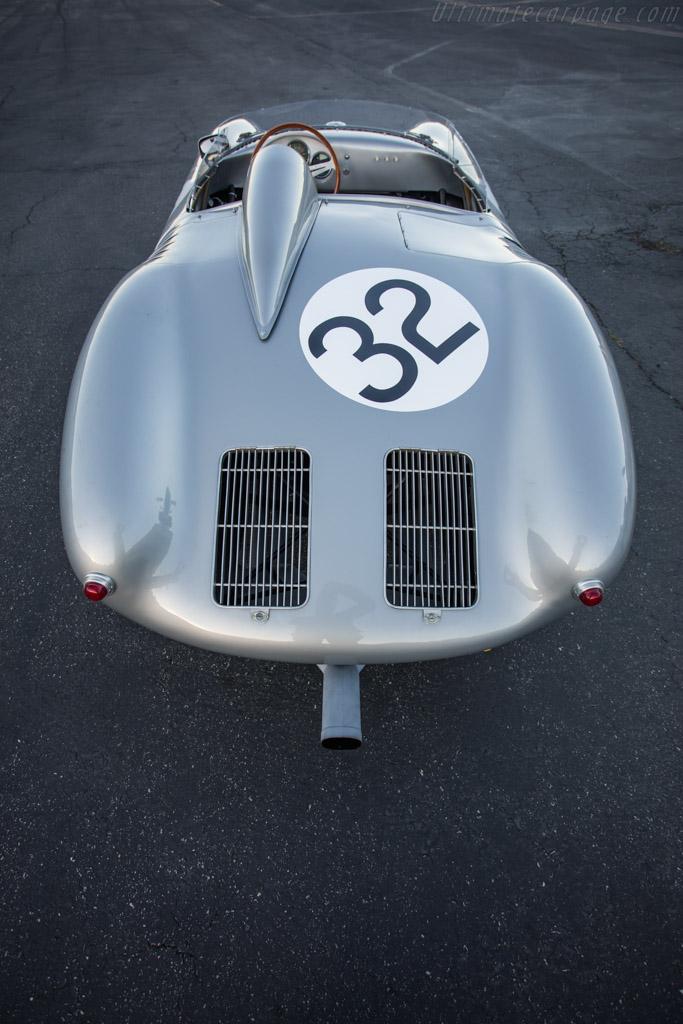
x=174, y=844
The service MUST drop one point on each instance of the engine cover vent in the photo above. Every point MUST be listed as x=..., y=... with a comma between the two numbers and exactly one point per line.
x=431, y=545
x=262, y=528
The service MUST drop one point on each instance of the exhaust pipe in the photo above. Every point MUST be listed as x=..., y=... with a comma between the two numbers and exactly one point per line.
x=341, y=707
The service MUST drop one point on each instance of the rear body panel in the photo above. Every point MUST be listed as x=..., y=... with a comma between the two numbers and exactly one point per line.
x=174, y=374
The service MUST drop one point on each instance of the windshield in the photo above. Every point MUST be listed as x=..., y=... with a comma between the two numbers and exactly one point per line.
x=433, y=128
x=353, y=113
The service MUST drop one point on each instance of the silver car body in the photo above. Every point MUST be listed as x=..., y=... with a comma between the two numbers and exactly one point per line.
x=242, y=339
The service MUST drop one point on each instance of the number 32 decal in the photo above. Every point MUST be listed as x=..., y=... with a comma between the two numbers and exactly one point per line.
x=368, y=348
x=354, y=300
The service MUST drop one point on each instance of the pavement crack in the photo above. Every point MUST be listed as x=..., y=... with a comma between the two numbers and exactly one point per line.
x=27, y=220
x=558, y=249
x=7, y=96
x=656, y=207
x=57, y=15
x=186, y=956
x=619, y=341
x=183, y=137
x=174, y=949
x=648, y=243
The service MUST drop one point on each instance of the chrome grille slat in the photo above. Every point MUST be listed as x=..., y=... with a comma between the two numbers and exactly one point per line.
x=430, y=554
x=423, y=549
x=271, y=507
x=415, y=483
x=262, y=528
x=441, y=543
x=250, y=513
x=458, y=506
x=396, y=489
x=466, y=536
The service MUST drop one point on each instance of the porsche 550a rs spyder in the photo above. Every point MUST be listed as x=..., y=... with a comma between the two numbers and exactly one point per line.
x=340, y=416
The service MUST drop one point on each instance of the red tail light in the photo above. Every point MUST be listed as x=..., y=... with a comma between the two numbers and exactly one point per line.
x=97, y=586
x=589, y=592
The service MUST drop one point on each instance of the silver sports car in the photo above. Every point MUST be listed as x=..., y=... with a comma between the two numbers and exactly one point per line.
x=339, y=415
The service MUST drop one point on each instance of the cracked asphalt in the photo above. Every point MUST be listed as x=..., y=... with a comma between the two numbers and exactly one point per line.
x=174, y=845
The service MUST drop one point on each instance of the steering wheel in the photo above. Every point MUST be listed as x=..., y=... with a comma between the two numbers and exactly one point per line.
x=297, y=126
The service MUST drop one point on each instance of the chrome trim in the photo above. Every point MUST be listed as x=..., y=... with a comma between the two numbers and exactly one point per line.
x=430, y=616
x=99, y=577
x=579, y=588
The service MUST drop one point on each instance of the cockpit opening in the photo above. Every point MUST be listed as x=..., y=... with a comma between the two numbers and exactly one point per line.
x=342, y=160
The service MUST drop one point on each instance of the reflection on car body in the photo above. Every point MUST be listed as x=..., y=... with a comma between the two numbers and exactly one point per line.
x=390, y=434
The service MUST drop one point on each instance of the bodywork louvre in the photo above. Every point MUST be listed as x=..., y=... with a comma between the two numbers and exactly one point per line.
x=261, y=529
x=430, y=544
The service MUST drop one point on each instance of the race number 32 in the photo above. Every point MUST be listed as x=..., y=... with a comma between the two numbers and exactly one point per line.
x=394, y=339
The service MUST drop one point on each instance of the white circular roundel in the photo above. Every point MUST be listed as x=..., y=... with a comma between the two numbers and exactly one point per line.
x=394, y=339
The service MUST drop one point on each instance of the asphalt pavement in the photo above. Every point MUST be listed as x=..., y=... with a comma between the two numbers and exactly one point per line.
x=175, y=846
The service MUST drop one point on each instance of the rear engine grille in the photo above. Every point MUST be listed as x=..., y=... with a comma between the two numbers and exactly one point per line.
x=262, y=529
x=431, y=550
